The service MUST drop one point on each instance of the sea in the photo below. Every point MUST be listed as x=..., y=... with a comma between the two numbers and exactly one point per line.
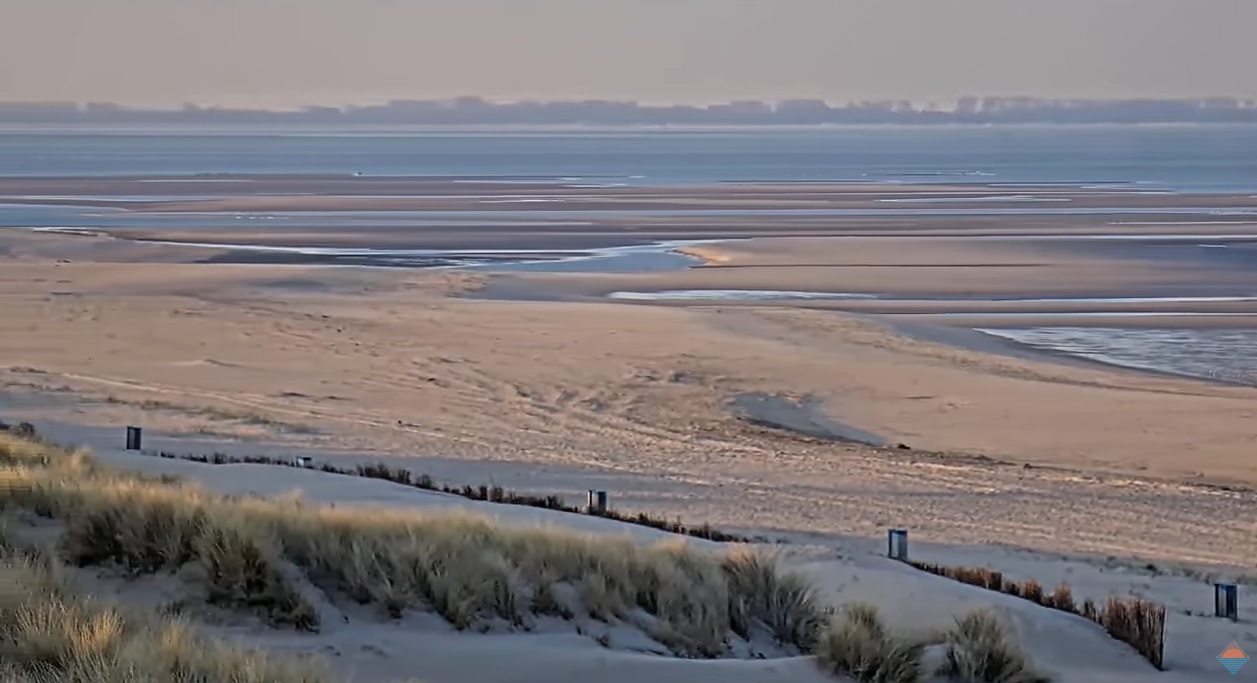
x=1160, y=159
x=1182, y=158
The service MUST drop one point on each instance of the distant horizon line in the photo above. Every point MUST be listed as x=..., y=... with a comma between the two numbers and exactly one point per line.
x=475, y=110
x=921, y=104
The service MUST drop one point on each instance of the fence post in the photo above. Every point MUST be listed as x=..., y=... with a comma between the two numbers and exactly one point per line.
x=1226, y=603
x=134, y=435
x=897, y=544
x=596, y=502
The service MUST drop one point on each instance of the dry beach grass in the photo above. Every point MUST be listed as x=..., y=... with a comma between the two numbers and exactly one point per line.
x=49, y=631
x=265, y=556
x=469, y=571
x=1133, y=620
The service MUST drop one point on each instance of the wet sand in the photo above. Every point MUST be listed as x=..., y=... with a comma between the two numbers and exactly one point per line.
x=537, y=371
x=359, y=193
x=400, y=365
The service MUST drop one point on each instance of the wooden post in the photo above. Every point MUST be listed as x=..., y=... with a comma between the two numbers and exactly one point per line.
x=1226, y=603
x=134, y=436
x=596, y=502
x=897, y=544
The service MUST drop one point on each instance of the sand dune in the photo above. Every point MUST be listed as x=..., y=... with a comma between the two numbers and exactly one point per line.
x=368, y=649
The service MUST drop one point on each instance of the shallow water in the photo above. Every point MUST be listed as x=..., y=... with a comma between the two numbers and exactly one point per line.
x=655, y=256
x=1144, y=159
x=1151, y=158
x=787, y=295
x=732, y=295
x=31, y=215
x=1228, y=355
x=1216, y=354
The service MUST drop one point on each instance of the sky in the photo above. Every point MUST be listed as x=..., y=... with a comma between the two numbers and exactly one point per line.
x=283, y=53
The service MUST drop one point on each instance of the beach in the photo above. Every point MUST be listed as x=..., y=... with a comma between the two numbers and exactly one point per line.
x=529, y=369
x=811, y=362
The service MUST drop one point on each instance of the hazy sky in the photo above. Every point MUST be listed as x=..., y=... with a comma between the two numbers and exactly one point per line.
x=288, y=52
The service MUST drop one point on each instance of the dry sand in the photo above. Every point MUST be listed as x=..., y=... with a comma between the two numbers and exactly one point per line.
x=388, y=362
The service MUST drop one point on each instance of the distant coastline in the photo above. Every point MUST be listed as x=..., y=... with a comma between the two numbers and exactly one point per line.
x=474, y=111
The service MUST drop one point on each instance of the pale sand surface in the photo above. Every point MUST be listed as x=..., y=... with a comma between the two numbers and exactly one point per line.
x=560, y=396
x=933, y=266
x=386, y=362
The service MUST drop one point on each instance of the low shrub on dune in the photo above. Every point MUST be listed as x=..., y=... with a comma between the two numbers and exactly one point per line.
x=1133, y=620
x=475, y=573
x=858, y=646
x=978, y=651
x=490, y=494
x=248, y=553
x=1139, y=622
x=50, y=633
x=760, y=594
x=145, y=527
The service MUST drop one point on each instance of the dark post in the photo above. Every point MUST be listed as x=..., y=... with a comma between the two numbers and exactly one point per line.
x=897, y=544
x=1226, y=602
x=133, y=438
x=596, y=502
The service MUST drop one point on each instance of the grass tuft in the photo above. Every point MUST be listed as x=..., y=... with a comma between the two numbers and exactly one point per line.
x=1138, y=622
x=150, y=527
x=979, y=652
x=858, y=646
x=49, y=632
x=1062, y=599
x=760, y=594
x=252, y=554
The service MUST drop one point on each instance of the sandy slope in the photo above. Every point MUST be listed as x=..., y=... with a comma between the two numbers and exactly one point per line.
x=846, y=570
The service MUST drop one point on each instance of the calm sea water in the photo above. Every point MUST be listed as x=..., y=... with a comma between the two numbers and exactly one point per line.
x=1181, y=159
x=1198, y=159
x=1225, y=355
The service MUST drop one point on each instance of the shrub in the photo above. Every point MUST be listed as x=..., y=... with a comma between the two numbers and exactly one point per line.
x=1032, y=590
x=49, y=632
x=858, y=646
x=21, y=430
x=759, y=593
x=1062, y=599
x=1089, y=611
x=492, y=494
x=247, y=551
x=1139, y=622
x=245, y=572
x=147, y=527
x=979, y=652
x=974, y=576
